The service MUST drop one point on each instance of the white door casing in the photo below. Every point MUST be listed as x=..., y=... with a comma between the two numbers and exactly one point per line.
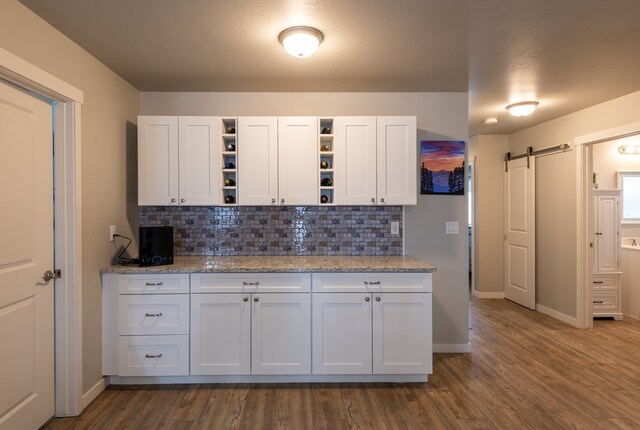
x=26, y=300
x=519, y=233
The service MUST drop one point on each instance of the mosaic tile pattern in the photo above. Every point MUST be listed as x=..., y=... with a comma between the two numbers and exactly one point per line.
x=308, y=230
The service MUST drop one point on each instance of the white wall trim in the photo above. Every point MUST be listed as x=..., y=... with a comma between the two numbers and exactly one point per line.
x=68, y=235
x=608, y=134
x=451, y=348
x=488, y=294
x=557, y=315
x=584, y=293
x=26, y=75
x=93, y=392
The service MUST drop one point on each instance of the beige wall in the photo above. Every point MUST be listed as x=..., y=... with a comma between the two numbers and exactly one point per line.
x=556, y=188
x=439, y=116
x=109, y=103
x=489, y=151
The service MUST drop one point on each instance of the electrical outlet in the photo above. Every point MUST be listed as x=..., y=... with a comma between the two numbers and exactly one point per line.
x=395, y=228
x=112, y=232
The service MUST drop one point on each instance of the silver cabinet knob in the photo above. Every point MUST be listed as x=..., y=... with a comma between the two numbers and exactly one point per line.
x=378, y=298
x=273, y=201
x=173, y=200
x=373, y=199
x=281, y=201
x=245, y=299
x=382, y=200
x=367, y=299
x=181, y=200
x=255, y=299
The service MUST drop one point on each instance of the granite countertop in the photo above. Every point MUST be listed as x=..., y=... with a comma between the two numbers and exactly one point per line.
x=278, y=264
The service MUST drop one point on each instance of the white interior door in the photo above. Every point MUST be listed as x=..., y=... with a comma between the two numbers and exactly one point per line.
x=520, y=232
x=26, y=228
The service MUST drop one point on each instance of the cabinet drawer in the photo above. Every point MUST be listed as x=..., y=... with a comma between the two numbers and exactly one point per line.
x=153, y=284
x=160, y=314
x=606, y=302
x=372, y=282
x=605, y=283
x=251, y=283
x=153, y=355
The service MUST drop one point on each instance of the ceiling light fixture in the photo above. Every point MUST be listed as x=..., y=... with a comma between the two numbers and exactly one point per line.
x=629, y=149
x=490, y=121
x=522, y=108
x=301, y=41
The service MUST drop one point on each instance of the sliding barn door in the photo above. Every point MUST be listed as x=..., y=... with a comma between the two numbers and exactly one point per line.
x=520, y=232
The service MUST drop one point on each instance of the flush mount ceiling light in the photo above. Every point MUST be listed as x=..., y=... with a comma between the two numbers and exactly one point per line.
x=301, y=41
x=522, y=108
x=629, y=149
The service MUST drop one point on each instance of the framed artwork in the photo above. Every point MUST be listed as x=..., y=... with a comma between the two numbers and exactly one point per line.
x=442, y=167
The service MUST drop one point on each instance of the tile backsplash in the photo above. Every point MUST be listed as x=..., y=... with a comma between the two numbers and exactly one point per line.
x=258, y=230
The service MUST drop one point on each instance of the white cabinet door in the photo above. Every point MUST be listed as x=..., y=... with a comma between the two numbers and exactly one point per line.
x=402, y=333
x=607, y=234
x=220, y=334
x=397, y=182
x=341, y=333
x=355, y=160
x=257, y=148
x=199, y=165
x=298, y=162
x=157, y=160
x=281, y=334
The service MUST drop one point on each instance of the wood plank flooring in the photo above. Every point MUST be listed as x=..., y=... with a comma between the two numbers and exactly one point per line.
x=526, y=371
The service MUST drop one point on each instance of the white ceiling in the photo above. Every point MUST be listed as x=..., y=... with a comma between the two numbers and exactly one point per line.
x=567, y=54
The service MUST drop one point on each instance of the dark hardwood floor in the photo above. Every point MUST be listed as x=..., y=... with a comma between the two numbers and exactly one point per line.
x=526, y=370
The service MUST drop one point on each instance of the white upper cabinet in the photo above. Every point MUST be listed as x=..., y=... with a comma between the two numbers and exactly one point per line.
x=257, y=161
x=355, y=160
x=376, y=160
x=298, y=160
x=278, y=161
x=177, y=161
x=199, y=153
x=157, y=160
x=397, y=160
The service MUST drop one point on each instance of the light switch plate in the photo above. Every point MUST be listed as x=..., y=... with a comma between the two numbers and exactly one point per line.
x=453, y=227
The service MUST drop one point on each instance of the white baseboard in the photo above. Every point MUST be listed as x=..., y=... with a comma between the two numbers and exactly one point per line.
x=454, y=348
x=488, y=295
x=557, y=315
x=93, y=392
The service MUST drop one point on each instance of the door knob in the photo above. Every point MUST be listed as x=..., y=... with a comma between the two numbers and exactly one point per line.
x=49, y=275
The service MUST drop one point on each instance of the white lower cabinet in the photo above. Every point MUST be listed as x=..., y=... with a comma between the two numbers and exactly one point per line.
x=341, y=333
x=260, y=334
x=379, y=333
x=255, y=325
x=220, y=334
x=281, y=334
x=402, y=333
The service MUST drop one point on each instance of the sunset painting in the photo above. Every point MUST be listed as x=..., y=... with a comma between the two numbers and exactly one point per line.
x=442, y=167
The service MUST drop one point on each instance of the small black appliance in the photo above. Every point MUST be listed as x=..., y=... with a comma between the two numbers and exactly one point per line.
x=156, y=245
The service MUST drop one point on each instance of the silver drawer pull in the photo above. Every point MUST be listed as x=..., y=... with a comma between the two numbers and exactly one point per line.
x=598, y=302
x=251, y=284
x=372, y=282
x=152, y=355
x=153, y=284
x=598, y=282
x=148, y=314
